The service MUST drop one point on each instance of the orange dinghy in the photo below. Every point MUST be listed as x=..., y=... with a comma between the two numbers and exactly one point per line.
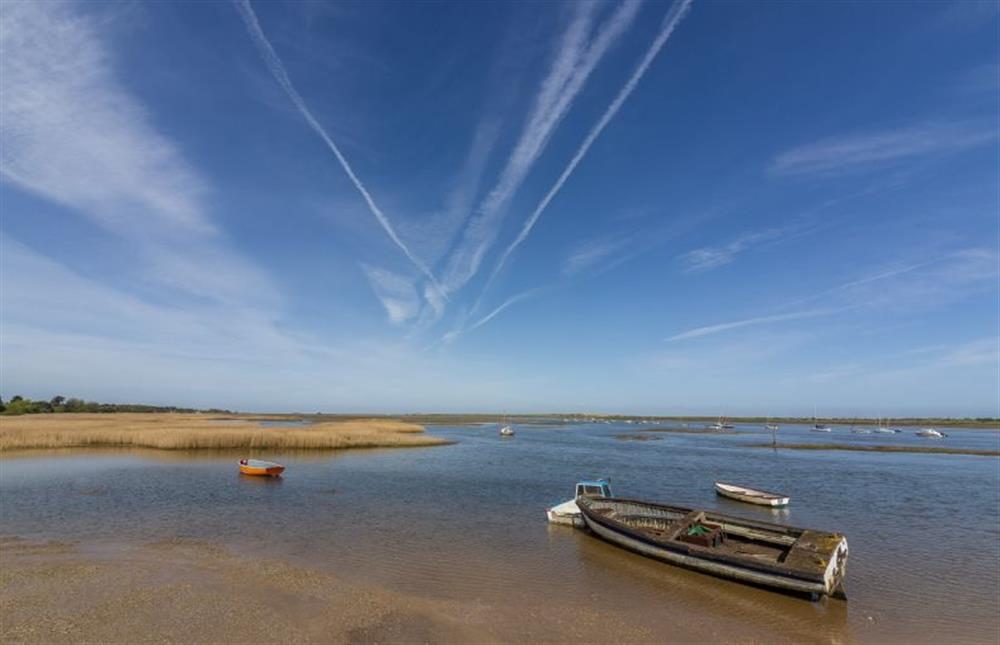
x=258, y=467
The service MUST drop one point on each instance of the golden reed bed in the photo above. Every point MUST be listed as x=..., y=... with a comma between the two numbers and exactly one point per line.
x=200, y=431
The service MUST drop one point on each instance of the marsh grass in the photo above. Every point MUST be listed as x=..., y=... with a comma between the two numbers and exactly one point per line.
x=198, y=432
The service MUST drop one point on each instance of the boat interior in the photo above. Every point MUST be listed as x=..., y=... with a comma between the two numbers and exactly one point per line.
x=702, y=529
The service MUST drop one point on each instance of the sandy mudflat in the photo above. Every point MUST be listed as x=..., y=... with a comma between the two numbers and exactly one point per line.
x=188, y=591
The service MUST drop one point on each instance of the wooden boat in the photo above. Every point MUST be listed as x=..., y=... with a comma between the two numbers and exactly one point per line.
x=770, y=555
x=258, y=467
x=751, y=495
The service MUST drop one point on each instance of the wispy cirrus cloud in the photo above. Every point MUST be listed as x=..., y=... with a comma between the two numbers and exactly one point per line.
x=713, y=257
x=577, y=56
x=73, y=134
x=670, y=22
x=277, y=69
x=982, y=351
x=929, y=284
x=593, y=253
x=397, y=293
x=870, y=149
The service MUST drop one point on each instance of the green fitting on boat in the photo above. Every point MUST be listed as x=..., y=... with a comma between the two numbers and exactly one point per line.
x=698, y=529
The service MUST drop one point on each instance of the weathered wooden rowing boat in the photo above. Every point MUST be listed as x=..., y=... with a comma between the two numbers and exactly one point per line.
x=760, y=553
x=258, y=467
x=751, y=495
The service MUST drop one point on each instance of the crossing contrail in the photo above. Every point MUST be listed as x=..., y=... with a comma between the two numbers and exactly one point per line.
x=277, y=69
x=670, y=22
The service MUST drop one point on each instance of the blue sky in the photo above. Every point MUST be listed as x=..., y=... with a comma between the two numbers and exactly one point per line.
x=651, y=208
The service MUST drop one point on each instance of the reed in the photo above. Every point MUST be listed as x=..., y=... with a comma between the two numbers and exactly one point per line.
x=201, y=432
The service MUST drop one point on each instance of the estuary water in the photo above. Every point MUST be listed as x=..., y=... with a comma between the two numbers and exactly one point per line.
x=466, y=522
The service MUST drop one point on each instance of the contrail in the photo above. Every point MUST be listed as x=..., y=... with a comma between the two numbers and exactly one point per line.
x=576, y=60
x=277, y=69
x=714, y=329
x=670, y=22
x=455, y=333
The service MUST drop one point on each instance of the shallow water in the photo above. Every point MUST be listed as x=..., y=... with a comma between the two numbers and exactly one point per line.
x=466, y=522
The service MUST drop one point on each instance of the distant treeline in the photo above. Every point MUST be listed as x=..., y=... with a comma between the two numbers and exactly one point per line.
x=21, y=405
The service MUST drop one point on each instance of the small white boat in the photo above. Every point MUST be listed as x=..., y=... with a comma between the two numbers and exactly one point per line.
x=568, y=512
x=821, y=428
x=506, y=431
x=751, y=495
x=931, y=433
x=861, y=431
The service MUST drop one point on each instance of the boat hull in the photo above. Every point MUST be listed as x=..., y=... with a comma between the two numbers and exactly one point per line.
x=751, y=496
x=825, y=577
x=262, y=471
x=567, y=514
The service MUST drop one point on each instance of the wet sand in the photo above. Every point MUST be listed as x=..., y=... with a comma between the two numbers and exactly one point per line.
x=196, y=591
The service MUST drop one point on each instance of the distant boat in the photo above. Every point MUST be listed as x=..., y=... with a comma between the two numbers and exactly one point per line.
x=751, y=495
x=759, y=553
x=506, y=430
x=260, y=468
x=883, y=427
x=721, y=424
x=819, y=427
x=931, y=433
x=771, y=426
x=568, y=512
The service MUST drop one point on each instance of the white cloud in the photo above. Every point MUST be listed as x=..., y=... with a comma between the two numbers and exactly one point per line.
x=72, y=134
x=866, y=150
x=707, y=258
x=983, y=351
x=397, y=293
x=900, y=289
x=591, y=253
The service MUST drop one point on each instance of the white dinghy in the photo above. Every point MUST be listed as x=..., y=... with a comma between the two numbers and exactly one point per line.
x=751, y=495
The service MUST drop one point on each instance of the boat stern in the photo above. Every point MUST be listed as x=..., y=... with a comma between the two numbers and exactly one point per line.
x=836, y=571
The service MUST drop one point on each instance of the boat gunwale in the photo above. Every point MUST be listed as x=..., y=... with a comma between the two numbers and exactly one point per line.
x=704, y=553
